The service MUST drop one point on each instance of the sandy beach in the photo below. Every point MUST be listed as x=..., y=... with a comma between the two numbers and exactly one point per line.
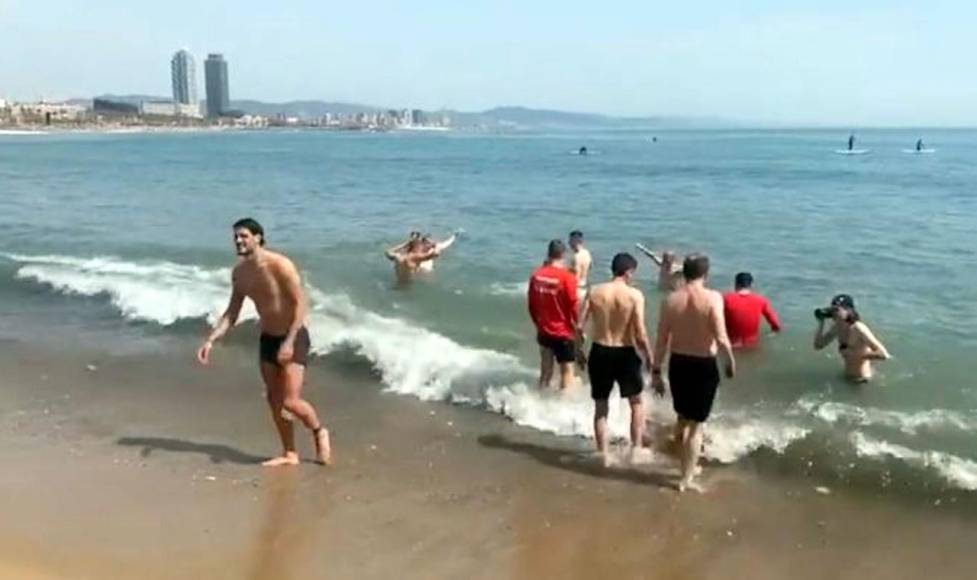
x=145, y=466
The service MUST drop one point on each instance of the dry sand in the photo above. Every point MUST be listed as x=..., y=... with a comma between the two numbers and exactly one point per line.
x=145, y=467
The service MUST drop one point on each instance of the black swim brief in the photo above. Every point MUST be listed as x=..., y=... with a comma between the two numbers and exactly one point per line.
x=693, y=381
x=610, y=364
x=562, y=348
x=269, y=345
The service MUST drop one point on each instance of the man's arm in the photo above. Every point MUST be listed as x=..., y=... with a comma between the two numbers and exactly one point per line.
x=771, y=315
x=640, y=331
x=531, y=303
x=292, y=286
x=650, y=254
x=717, y=318
x=822, y=338
x=664, y=334
x=227, y=321
x=395, y=252
x=444, y=245
x=573, y=301
x=584, y=316
x=661, y=348
x=879, y=351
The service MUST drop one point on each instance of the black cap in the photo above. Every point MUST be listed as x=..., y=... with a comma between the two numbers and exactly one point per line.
x=843, y=301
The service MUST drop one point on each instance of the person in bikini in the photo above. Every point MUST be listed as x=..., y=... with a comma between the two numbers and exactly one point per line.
x=857, y=344
x=617, y=310
x=273, y=283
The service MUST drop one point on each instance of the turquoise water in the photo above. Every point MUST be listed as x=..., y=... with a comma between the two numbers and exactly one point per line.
x=132, y=232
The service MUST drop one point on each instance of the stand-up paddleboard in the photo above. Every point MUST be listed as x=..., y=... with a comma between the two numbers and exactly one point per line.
x=917, y=151
x=851, y=151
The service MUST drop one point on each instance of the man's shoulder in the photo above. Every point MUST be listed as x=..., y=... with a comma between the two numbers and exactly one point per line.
x=279, y=260
x=716, y=297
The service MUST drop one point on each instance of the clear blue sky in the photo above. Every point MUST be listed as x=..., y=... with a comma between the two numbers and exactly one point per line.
x=852, y=63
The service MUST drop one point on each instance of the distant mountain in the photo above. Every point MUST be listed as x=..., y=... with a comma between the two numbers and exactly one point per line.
x=499, y=118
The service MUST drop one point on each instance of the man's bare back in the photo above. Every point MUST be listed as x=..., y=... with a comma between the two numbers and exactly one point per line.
x=614, y=308
x=690, y=314
x=581, y=265
x=265, y=281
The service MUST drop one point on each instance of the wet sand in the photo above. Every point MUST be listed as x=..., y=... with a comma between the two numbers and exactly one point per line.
x=146, y=466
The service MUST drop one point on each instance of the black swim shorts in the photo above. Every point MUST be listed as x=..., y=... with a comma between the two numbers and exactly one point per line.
x=693, y=381
x=562, y=348
x=610, y=364
x=269, y=345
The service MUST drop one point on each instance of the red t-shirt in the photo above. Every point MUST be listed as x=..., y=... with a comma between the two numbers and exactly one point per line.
x=743, y=313
x=553, y=301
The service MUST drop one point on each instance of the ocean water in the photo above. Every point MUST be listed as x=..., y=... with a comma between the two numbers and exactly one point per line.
x=105, y=236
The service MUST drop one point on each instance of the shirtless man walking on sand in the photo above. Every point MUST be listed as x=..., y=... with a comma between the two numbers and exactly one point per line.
x=619, y=334
x=691, y=330
x=272, y=282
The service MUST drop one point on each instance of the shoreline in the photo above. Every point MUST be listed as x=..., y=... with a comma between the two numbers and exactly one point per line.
x=149, y=463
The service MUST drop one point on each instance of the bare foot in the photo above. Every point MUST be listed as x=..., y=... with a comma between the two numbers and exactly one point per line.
x=640, y=455
x=606, y=459
x=323, y=450
x=688, y=484
x=290, y=458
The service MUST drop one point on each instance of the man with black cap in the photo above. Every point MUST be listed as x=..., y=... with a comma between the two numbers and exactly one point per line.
x=857, y=345
x=553, y=306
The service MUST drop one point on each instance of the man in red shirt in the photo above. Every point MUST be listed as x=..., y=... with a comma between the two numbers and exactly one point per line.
x=553, y=306
x=743, y=309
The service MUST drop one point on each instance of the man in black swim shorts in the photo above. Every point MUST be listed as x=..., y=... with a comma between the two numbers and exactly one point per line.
x=273, y=283
x=692, y=328
x=619, y=334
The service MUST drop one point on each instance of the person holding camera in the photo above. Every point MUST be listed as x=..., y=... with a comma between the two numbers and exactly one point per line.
x=857, y=344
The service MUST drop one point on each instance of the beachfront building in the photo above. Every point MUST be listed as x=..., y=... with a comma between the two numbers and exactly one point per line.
x=184, y=77
x=218, y=92
x=158, y=108
x=45, y=111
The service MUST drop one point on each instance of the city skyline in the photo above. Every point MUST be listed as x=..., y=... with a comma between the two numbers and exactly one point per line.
x=827, y=62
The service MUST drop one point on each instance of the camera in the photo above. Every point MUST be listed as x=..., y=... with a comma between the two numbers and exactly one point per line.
x=824, y=313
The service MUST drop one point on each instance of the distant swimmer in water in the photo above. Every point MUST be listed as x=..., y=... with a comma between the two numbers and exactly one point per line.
x=582, y=151
x=691, y=332
x=919, y=145
x=851, y=141
x=669, y=270
x=620, y=341
x=409, y=257
x=857, y=345
x=273, y=283
x=654, y=139
x=554, y=309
